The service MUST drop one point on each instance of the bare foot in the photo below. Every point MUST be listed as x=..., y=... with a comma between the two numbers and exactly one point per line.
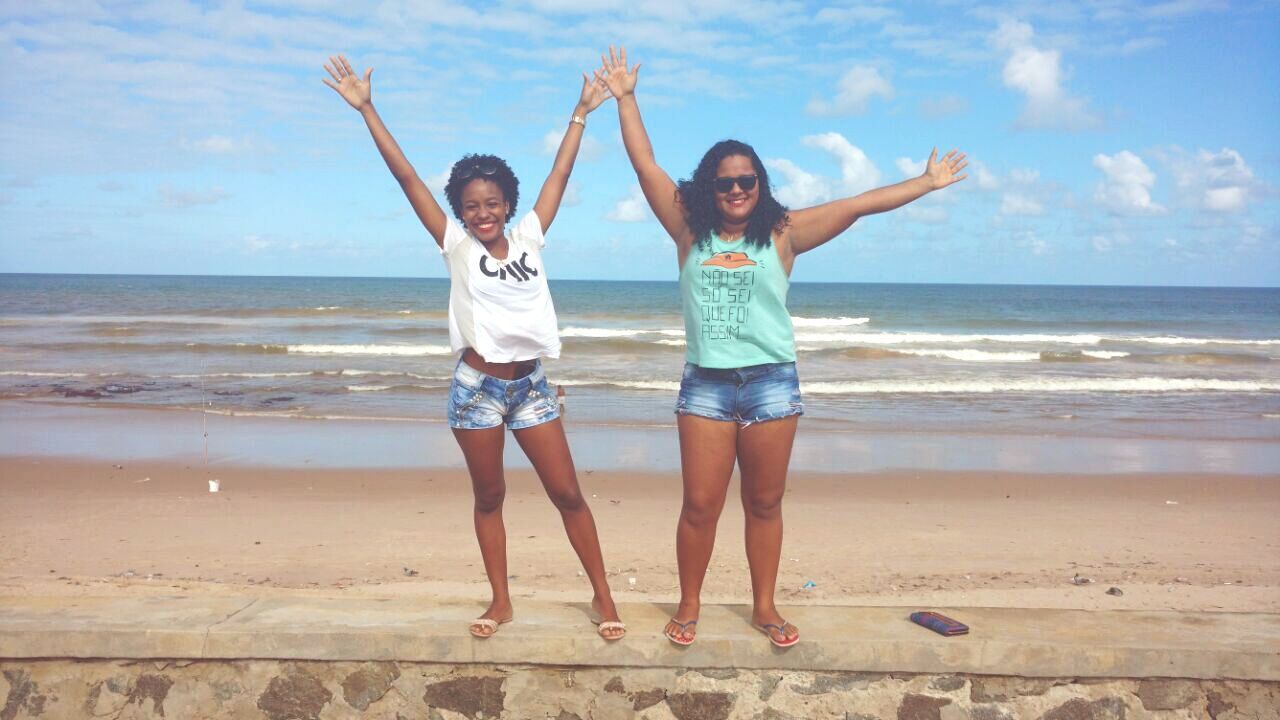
x=682, y=628
x=780, y=632
x=497, y=614
x=607, y=612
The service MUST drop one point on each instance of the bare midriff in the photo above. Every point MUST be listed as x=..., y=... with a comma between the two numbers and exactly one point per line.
x=502, y=371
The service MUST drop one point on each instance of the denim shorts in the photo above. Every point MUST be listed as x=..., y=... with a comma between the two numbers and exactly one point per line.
x=745, y=395
x=478, y=401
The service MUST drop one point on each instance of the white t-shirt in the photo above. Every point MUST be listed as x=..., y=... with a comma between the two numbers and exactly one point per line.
x=501, y=308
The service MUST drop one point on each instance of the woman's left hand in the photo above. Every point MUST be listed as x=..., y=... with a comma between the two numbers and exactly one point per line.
x=941, y=173
x=594, y=92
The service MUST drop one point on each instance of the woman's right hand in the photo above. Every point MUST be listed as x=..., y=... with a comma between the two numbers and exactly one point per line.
x=621, y=81
x=355, y=91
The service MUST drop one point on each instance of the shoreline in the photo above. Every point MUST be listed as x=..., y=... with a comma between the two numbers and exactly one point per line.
x=54, y=430
x=144, y=528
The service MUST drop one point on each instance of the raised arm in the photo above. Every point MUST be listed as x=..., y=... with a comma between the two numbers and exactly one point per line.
x=594, y=92
x=814, y=226
x=658, y=188
x=358, y=93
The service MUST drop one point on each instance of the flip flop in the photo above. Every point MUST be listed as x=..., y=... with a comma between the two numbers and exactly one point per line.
x=781, y=631
x=684, y=627
x=601, y=626
x=492, y=625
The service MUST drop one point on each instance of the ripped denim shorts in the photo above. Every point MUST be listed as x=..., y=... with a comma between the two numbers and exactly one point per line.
x=745, y=395
x=478, y=400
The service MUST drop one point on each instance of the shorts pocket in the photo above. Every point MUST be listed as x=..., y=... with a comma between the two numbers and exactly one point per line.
x=467, y=379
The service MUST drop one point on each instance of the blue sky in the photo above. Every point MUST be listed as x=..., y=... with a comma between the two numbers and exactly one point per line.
x=1113, y=142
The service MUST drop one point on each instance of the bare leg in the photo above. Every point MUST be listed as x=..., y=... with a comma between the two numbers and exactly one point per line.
x=707, y=450
x=548, y=450
x=483, y=451
x=764, y=451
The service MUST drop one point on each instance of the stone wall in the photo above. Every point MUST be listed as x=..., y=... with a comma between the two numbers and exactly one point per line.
x=285, y=690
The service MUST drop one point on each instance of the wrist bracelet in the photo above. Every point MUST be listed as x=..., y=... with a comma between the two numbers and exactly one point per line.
x=578, y=119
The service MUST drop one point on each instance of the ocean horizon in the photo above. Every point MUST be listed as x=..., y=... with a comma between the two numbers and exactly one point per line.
x=1045, y=360
x=672, y=282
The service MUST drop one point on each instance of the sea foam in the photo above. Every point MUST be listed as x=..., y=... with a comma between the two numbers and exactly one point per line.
x=1039, y=385
x=414, y=350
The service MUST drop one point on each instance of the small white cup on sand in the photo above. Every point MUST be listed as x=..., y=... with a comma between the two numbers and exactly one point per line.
x=213, y=486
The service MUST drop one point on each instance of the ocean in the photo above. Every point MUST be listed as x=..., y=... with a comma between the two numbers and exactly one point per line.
x=1141, y=362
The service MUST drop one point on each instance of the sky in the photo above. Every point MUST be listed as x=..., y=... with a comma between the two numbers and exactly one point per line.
x=1110, y=141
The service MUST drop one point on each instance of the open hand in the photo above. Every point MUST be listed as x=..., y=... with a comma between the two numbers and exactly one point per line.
x=355, y=91
x=941, y=173
x=594, y=92
x=620, y=80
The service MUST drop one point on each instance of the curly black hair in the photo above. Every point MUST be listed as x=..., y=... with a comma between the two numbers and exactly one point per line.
x=699, y=198
x=485, y=167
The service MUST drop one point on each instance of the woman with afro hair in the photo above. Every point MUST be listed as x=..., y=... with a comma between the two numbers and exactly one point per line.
x=501, y=323
x=739, y=397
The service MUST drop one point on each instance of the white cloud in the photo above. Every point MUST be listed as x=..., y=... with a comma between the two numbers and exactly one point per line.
x=799, y=187
x=172, y=198
x=1227, y=199
x=1106, y=243
x=983, y=177
x=929, y=209
x=1126, y=185
x=858, y=174
x=1227, y=179
x=1016, y=203
x=435, y=183
x=853, y=91
x=1023, y=194
x=223, y=145
x=589, y=149
x=1219, y=182
x=572, y=195
x=911, y=168
x=254, y=244
x=1011, y=35
x=1024, y=176
x=631, y=209
x=1037, y=74
x=1036, y=244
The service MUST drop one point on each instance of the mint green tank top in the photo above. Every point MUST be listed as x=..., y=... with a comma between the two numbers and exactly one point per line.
x=735, y=305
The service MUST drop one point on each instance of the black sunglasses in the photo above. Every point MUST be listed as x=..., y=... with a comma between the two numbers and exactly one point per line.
x=725, y=184
x=477, y=168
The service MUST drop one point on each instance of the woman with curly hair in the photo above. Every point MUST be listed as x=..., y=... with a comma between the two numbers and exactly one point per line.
x=739, y=397
x=501, y=323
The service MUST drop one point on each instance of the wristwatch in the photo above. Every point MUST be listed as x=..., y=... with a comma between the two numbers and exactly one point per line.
x=578, y=119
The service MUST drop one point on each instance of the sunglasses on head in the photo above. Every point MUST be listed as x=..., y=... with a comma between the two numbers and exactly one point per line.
x=477, y=168
x=725, y=184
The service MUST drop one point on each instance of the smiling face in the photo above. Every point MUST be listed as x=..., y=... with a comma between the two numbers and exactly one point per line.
x=484, y=209
x=736, y=205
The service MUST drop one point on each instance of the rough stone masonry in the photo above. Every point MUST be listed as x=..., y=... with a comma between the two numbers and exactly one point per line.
x=317, y=690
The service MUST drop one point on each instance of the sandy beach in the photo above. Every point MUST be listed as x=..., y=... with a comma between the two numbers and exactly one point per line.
x=1188, y=542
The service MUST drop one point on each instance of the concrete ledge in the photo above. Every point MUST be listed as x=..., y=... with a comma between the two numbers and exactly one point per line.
x=1012, y=642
